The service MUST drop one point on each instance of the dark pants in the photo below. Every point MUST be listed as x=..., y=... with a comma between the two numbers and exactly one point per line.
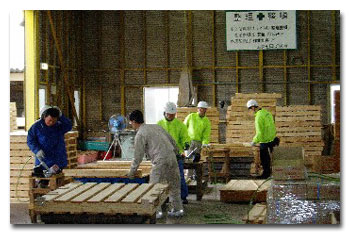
x=184, y=188
x=265, y=158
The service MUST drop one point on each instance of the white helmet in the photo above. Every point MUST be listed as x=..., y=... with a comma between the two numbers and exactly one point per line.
x=170, y=108
x=251, y=103
x=43, y=109
x=202, y=104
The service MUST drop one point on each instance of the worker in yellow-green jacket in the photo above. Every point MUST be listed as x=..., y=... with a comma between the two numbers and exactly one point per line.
x=265, y=135
x=178, y=131
x=199, y=129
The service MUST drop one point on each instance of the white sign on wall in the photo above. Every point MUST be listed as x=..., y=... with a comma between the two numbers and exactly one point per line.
x=261, y=30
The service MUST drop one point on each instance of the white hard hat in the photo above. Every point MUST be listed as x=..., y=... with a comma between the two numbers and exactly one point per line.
x=202, y=104
x=170, y=108
x=43, y=109
x=251, y=103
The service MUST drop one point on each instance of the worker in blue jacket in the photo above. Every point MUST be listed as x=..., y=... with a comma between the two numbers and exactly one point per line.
x=46, y=137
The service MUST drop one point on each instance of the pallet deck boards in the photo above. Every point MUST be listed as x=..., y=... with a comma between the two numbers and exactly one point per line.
x=100, y=173
x=105, y=198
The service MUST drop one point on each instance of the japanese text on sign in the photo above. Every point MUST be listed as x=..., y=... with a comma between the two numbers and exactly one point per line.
x=261, y=30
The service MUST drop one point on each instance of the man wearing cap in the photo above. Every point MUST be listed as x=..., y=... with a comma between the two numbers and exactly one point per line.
x=178, y=131
x=199, y=129
x=153, y=140
x=265, y=135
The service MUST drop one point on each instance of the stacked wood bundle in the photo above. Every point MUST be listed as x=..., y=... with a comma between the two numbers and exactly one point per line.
x=21, y=167
x=212, y=114
x=70, y=138
x=244, y=191
x=13, y=117
x=256, y=215
x=300, y=125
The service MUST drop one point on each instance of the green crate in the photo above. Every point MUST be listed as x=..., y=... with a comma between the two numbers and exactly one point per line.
x=94, y=145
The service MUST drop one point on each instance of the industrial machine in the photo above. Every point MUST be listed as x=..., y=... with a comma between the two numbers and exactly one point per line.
x=122, y=137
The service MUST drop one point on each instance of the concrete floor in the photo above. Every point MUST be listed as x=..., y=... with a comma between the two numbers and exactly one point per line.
x=208, y=210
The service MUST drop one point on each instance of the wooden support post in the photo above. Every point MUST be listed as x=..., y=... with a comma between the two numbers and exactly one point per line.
x=66, y=81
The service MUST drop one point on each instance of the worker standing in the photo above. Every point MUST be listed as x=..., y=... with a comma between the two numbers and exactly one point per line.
x=265, y=135
x=199, y=129
x=153, y=140
x=46, y=139
x=178, y=131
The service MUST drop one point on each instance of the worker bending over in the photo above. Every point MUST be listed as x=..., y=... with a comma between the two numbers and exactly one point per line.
x=178, y=131
x=153, y=140
x=265, y=135
x=46, y=139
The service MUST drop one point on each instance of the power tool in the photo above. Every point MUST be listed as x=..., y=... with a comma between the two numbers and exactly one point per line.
x=48, y=172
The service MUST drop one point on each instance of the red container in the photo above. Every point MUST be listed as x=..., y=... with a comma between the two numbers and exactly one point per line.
x=102, y=154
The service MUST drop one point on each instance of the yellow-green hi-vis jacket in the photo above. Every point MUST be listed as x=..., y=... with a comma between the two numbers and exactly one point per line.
x=198, y=128
x=265, y=130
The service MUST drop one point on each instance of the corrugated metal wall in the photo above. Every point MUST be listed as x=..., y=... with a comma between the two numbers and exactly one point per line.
x=116, y=53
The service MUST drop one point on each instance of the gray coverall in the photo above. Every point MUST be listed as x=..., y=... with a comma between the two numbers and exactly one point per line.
x=153, y=140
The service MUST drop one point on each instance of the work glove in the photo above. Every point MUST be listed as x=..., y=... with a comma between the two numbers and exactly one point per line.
x=40, y=155
x=56, y=107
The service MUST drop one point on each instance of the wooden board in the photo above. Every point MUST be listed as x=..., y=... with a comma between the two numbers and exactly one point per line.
x=256, y=215
x=100, y=173
x=105, y=198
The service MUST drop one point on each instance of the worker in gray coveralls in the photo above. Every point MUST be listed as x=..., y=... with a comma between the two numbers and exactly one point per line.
x=153, y=140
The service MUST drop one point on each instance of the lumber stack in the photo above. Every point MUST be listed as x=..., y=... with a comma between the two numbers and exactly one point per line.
x=244, y=191
x=13, y=117
x=240, y=121
x=70, y=139
x=256, y=215
x=212, y=114
x=21, y=167
x=300, y=125
x=103, y=199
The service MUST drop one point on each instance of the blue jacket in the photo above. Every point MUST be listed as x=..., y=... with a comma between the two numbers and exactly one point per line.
x=50, y=140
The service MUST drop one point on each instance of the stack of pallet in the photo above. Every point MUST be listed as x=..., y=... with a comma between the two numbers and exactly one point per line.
x=240, y=159
x=21, y=166
x=240, y=122
x=70, y=138
x=300, y=125
x=13, y=117
x=212, y=114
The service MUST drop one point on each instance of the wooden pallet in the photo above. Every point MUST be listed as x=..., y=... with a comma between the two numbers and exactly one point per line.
x=243, y=191
x=257, y=215
x=13, y=117
x=300, y=125
x=212, y=114
x=145, y=166
x=103, y=198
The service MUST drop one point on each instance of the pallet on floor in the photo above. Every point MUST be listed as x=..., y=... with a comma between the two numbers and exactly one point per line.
x=244, y=191
x=103, y=198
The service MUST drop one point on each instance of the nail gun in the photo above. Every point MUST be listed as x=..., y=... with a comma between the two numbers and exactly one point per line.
x=48, y=172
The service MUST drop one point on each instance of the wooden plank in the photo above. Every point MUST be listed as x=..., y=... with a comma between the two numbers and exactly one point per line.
x=152, y=195
x=75, y=192
x=120, y=194
x=100, y=173
x=297, y=118
x=137, y=193
x=106, y=192
x=91, y=192
x=61, y=191
x=298, y=108
x=19, y=146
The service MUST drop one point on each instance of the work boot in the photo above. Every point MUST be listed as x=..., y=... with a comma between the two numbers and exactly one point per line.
x=159, y=215
x=184, y=201
x=174, y=213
